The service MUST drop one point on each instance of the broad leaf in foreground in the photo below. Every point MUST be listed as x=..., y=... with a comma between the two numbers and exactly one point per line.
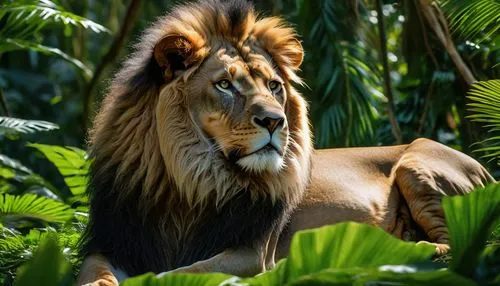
x=470, y=220
x=349, y=245
x=181, y=279
x=47, y=267
x=359, y=276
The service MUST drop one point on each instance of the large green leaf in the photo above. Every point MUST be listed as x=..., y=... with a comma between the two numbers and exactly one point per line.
x=182, y=279
x=485, y=108
x=9, y=125
x=16, y=210
x=349, y=245
x=47, y=267
x=388, y=275
x=470, y=220
x=71, y=163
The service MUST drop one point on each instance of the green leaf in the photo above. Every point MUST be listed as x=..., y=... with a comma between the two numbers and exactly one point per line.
x=388, y=275
x=47, y=267
x=71, y=163
x=470, y=220
x=13, y=164
x=181, y=279
x=9, y=125
x=345, y=245
x=26, y=17
x=16, y=210
x=473, y=19
x=14, y=44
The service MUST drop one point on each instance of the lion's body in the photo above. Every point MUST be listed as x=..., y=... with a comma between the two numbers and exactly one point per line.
x=202, y=151
x=397, y=188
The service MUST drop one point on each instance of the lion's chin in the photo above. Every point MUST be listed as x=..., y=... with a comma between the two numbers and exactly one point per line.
x=258, y=162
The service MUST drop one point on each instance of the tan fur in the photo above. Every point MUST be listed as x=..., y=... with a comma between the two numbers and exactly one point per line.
x=397, y=188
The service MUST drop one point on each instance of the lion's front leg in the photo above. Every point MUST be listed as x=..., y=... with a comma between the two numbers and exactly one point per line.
x=240, y=261
x=97, y=271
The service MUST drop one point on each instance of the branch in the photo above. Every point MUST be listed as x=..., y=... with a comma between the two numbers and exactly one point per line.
x=3, y=104
x=437, y=23
x=113, y=52
x=396, y=131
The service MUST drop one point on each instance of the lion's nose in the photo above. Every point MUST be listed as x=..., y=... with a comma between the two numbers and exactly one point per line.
x=270, y=123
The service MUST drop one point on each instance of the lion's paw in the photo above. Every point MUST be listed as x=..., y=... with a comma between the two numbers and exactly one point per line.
x=441, y=248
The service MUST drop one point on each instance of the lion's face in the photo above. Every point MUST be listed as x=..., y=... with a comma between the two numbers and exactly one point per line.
x=238, y=100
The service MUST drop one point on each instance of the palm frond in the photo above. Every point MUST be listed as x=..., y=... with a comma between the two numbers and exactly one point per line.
x=485, y=108
x=9, y=44
x=13, y=164
x=479, y=19
x=342, y=74
x=9, y=125
x=19, y=210
x=24, y=18
x=71, y=163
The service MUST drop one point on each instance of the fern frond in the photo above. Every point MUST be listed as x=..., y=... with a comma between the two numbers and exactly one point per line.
x=24, y=18
x=485, y=108
x=13, y=44
x=10, y=125
x=71, y=163
x=17, y=210
x=13, y=164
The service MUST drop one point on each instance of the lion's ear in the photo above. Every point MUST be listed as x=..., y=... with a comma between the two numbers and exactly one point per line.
x=173, y=53
x=294, y=52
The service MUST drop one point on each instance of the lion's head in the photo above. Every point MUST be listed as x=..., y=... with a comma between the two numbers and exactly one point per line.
x=207, y=100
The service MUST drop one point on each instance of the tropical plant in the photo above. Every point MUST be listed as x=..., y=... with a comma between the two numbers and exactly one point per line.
x=23, y=20
x=31, y=207
x=485, y=108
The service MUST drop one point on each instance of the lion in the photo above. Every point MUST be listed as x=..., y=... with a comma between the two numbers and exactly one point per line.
x=203, y=159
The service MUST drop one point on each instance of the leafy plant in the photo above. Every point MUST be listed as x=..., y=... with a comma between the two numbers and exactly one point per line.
x=24, y=19
x=474, y=19
x=71, y=163
x=9, y=125
x=485, y=108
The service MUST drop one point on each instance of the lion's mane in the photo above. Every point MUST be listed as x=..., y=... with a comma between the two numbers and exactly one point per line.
x=159, y=198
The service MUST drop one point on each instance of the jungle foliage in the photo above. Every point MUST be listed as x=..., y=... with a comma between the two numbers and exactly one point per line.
x=440, y=81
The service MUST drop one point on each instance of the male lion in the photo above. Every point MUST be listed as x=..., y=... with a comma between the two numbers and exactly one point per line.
x=202, y=152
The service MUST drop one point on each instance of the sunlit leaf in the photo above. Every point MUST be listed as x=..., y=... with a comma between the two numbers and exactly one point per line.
x=10, y=125
x=16, y=210
x=470, y=220
x=71, y=163
x=181, y=279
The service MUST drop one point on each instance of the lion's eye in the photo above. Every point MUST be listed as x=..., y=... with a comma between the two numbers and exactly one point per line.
x=274, y=86
x=223, y=84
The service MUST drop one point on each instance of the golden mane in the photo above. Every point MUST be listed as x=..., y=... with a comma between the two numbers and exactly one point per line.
x=154, y=161
x=125, y=131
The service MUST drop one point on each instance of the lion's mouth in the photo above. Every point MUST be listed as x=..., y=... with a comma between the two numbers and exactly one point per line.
x=268, y=148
